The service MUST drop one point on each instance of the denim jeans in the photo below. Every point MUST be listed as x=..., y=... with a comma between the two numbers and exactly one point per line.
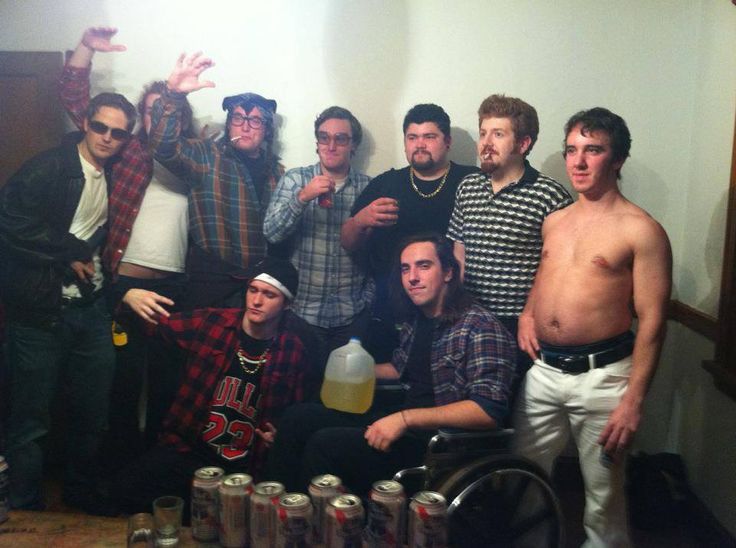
x=75, y=353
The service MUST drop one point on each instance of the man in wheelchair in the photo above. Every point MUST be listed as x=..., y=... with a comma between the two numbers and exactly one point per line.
x=455, y=359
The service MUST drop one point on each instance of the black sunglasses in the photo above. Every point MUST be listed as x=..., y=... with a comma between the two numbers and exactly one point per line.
x=116, y=133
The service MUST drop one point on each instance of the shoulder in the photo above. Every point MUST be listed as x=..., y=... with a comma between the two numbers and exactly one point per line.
x=642, y=230
x=295, y=330
x=473, y=181
x=478, y=326
x=358, y=177
x=549, y=189
x=388, y=177
x=301, y=174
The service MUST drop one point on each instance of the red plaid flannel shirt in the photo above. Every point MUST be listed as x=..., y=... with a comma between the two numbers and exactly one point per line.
x=210, y=336
x=131, y=170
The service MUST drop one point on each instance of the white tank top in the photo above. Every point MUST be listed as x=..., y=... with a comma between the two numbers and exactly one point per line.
x=159, y=235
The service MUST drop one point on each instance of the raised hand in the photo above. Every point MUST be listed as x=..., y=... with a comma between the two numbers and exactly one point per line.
x=185, y=76
x=98, y=39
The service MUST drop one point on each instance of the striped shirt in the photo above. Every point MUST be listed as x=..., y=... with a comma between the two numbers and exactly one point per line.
x=333, y=289
x=472, y=359
x=502, y=235
x=226, y=213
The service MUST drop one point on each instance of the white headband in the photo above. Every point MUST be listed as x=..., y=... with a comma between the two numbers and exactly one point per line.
x=274, y=282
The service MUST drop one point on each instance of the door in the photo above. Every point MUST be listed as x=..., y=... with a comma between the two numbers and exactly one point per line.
x=31, y=118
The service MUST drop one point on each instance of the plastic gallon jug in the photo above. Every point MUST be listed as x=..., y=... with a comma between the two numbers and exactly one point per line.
x=349, y=379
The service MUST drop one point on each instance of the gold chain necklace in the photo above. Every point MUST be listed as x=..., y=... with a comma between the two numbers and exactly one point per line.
x=436, y=190
x=246, y=360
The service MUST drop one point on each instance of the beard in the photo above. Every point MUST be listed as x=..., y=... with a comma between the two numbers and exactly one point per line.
x=488, y=166
x=426, y=164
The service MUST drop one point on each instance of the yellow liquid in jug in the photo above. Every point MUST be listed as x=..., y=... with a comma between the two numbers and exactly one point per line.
x=350, y=397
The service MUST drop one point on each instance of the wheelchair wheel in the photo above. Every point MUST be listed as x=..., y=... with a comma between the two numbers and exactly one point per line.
x=502, y=502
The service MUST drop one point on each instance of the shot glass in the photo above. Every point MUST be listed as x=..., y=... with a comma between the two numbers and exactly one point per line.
x=167, y=512
x=140, y=531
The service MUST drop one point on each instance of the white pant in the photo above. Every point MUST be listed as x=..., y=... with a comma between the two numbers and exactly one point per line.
x=550, y=407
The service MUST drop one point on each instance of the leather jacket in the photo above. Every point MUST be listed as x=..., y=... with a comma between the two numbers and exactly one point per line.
x=37, y=206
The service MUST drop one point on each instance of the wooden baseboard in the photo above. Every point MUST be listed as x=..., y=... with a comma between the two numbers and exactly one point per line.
x=694, y=319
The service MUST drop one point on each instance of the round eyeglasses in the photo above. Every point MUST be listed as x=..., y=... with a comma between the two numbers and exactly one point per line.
x=254, y=122
x=340, y=139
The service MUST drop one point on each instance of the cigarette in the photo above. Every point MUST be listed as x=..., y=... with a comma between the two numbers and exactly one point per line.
x=238, y=138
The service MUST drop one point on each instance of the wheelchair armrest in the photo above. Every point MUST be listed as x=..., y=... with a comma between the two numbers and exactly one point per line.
x=390, y=385
x=450, y=434
x=471, y=441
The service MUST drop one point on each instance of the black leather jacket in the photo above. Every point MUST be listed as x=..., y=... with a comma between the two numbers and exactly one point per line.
x=37, y=206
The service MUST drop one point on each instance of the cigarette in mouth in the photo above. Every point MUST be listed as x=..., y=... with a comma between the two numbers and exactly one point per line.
x=238, y=138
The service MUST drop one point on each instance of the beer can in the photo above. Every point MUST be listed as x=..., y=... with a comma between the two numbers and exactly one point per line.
x=205, y=503
x=428, y=520
x=294, y=521
x=234, y=492
x=4, y=490
x=385, y=514
x=344, y=522
x=263, y=504
x=321, y=489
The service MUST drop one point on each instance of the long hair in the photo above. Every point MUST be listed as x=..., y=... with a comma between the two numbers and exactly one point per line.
x=457, y=299
x=158, y=87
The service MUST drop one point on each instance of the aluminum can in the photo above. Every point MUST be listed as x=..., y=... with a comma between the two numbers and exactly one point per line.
x=205, y=503
x=4, y=490
x=385, y=514
x=263, y=504
x=428, y=520
x=294, y=521
x=344, y=522
x=321, y=489
x=234, y=492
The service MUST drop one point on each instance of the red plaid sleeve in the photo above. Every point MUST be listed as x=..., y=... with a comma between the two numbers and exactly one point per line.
x=74, y=93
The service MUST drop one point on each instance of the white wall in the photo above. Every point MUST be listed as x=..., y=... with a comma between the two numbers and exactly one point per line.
x=667, y=66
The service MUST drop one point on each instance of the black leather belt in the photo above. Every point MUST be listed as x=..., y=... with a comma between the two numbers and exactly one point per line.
x=581, y=363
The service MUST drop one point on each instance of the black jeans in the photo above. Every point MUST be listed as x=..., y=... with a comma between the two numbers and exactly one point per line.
x=335, y=337
x=313, y=440
x=141, y=359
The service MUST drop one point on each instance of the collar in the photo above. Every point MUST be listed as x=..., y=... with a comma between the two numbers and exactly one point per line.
x=529, y=176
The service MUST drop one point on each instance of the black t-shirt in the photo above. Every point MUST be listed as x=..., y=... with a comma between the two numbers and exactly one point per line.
x=418, y=372
x=416, y=213
x=230, y=430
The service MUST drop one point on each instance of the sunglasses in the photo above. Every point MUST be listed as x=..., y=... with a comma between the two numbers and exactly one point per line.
x=102, y=129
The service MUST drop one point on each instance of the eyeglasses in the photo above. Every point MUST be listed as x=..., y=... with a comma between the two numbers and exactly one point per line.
x=341, y=139
x=253, y=121
x=115, y=132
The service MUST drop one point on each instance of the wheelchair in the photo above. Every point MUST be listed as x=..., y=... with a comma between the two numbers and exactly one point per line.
x=494, y=499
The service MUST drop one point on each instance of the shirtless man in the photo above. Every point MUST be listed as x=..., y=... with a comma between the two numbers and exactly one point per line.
x=600, y=256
